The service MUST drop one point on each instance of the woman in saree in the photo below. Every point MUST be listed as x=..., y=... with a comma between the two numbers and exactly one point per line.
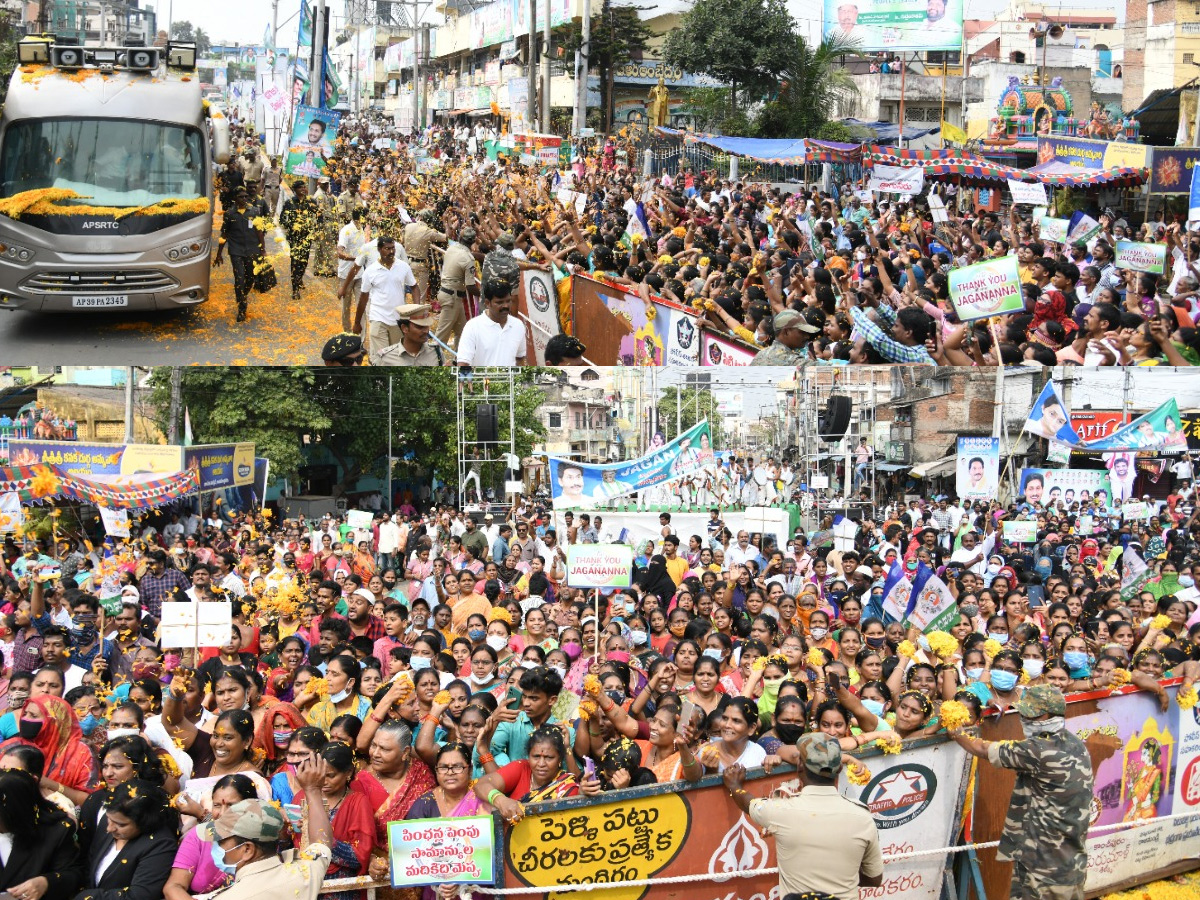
x=539, y=778
x=48, y=723
x=349, y=815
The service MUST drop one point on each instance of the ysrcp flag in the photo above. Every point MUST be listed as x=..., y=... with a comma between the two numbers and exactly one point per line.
x=575, y=485
x=931, y=606
x=1160, y=429
x=1050, y=417
x=978, y=468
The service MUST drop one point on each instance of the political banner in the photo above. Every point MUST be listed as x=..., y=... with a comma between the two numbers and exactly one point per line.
x=989, y=288
x=539, y=301
x=1123, y=473
x=675, y=829
x=1050, y=417
x=115, y=521
x=1194, y=198
x=1136, y=510
x=895, y=25
x=1058, y=453
x=1083, y=228
x=1031, y=194
x=221, y=465
x=1020, y=532
x=897, y=179
x=1139, y=257
x=599, y=566
x=426, y=852
x=12, y=516
x=931, y=606
x=71, y=457
x=576, y=485
x=977, y=468
x=311, y=145
x=1050, y=486
x=1160, y=429
x=1051, y=229
x=720, y=351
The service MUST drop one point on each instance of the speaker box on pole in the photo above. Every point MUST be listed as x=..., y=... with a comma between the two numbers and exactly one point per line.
x=832, y=424
x=486, y=428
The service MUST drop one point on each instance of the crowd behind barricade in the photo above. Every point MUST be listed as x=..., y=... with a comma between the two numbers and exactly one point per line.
x=435, y=663
x=806, y=275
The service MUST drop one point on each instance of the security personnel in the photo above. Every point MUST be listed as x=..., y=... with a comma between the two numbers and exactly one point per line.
x=827, y=845
x=419, y=236
x=458, y=278
x=245, y=242
x=414, y=347
x=1052, y=796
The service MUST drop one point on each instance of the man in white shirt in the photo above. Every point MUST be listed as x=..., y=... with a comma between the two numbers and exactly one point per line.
x=742, y=552
x=387, y=286
x=389, y=542
x=351, y=238
x=494, y=338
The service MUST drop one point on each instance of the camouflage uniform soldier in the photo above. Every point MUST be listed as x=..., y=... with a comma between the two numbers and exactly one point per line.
x=791, y=335
x=1046, y=827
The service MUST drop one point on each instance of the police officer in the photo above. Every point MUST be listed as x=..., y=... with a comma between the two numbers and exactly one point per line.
x=827, y=845
x=457, y=281
x=419, y=237
x=1052, y=796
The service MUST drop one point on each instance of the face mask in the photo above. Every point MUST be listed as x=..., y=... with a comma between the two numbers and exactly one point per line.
x=998, y=638
x=876, y=642
x=572, y=649
x=1076, y=659
x=282, y=737
x=712, y=653
x=497, y=642
x=83, y=636
x=218, y=858
x=1049, y=726
x=970, y=610
x=629, y=609
x=146, y=670
x=88, y=724
x=114, y=733
x=417, y=663
x=874, y=707
x=30, y=729
x=476, y=634
x=1033, y=667
x=618, y=656
x=638, y=638
x=486, y=679
x=16, y=699
x=974, y=674
x=1003, y=681
x=789, y=732
x=818, y=634
x=562, y=672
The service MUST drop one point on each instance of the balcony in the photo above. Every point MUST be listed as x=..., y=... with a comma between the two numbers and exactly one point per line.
x=593, y=435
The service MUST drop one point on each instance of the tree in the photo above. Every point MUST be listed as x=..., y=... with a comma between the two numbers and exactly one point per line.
x=183, y=30
x=813, y=86
x=709, y=106
x=743, y=43
x=698, y=404
x=9, y=35
x=618, y=35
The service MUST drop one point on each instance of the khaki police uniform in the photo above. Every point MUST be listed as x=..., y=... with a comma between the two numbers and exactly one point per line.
x=418, y=238
x=458, y=274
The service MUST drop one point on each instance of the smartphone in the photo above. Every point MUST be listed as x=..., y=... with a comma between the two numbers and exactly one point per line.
x=833, y=681
x=589, y=768
x=688, y=713
x=1037, y=595
x=512, y=700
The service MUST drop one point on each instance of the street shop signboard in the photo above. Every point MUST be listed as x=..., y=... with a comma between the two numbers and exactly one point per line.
x=1139, y=257
x=221, y=465
x=599, y=566
x=428, y=852
x=671, y=830
x=989, y=288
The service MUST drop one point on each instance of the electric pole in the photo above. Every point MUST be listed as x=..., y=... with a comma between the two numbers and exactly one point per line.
x=173, y=408
x=531, y=104
x=130, y=374
x=546, y=68
x=316, y=71
x=582, y=63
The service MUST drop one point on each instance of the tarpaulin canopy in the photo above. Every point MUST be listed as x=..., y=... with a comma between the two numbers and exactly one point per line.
x=965, y=167
x=833, y=152
x=1063, y=174
x=786, y=151
x=114, y=492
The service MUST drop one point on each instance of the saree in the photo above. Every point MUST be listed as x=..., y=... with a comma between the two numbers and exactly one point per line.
x=68, y=759
x=353, y=838
x=426, y=807
x=392, y=808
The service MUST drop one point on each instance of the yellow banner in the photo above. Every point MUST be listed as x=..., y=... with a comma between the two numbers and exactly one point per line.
x=1131, y=155
x=151, y=459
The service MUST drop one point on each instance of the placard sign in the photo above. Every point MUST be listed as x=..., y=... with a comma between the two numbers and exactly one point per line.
x=1139, y=257
x=1020, y=532
x=187, y=624
x=599, y=566
x=989, y=288
x=1032, y=194
x=443, y=851
x=1052, y=229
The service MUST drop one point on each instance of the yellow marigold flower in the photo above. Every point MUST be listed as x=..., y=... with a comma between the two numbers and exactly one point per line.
x=991, y=647
x=954, y=715
x=591, y=685
x=679, y=231
x=816, y=658
x=761, y=663
x=1160, y=622
x=44, y=482
x=666, y=259
x=891, y=745
x=1120, y=678
x=907, y=649
x=1187, y=698
x=704, y=261
x=587, y=709
x=500, y=614
x=858, y=774
x=442, y=698
x=942, y=643
x=318, y=687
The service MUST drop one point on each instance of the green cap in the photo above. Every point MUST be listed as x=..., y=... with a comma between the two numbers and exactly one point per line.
x=821, y=754
x=250, y=819
x=1040, y=700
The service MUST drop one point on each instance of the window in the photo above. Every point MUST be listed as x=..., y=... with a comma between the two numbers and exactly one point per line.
x=1188, y=58
x=554, y=420
x=579, y=420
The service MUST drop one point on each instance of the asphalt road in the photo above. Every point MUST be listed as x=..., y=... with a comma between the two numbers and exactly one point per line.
x=277, y=331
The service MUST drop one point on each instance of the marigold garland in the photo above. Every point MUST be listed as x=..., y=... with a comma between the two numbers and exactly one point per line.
x=954, y=715
x=1120, y=677
x=1187, y=698
x=858, y=774
x=587, y=709
x=591, y=685
x=890, y=745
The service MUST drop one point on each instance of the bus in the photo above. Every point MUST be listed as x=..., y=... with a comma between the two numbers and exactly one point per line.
x=106, y=178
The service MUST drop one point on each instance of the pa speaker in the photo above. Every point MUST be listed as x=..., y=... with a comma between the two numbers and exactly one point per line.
x=835, y=420
x=486, y=428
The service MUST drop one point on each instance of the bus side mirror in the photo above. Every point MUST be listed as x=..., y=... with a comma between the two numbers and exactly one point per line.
x=220, y=139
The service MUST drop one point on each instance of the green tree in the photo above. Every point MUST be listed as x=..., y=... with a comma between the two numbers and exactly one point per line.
x=183, y=30
x=743, y=43
x=812, y=87
x=9, y=35
x=710, y=108
x=618, y=36
x=694, y=405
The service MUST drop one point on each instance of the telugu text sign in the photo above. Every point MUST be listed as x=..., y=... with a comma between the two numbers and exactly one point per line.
x=443, y=851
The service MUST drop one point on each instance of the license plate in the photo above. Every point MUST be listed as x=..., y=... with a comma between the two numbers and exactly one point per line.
x=100, y=301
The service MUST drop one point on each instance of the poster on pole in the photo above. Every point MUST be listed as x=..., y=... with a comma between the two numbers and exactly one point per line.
x=1031, y=194
x=977, y=468
x=989, y=288
x=1139, y=257
x=311, y=146
x=1051, y=229
x=599, y=566
x=895, y=24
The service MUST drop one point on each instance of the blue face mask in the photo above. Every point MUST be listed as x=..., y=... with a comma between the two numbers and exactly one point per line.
x=874, y=707
x=339, y=696
x=1003, y=681
x=88, y=724
x=1076, y=659
x=476, y=634
x=713, y=654
x=998, y=638
x=417, y=663
x=974, y=674
x=218, y=858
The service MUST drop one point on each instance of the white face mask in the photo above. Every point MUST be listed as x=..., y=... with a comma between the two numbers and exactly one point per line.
x=497, y=642
x=114, y=733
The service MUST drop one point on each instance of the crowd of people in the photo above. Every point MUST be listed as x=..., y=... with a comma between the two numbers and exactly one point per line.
x=804, y=276
x=438, y=664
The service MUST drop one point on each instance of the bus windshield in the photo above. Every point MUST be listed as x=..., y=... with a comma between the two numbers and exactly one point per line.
x=107, y=162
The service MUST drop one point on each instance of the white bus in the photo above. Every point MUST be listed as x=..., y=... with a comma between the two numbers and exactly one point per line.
x=106, y=178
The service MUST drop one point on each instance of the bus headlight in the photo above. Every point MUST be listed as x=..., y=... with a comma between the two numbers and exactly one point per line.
x=188, y=250
x=15, y=253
